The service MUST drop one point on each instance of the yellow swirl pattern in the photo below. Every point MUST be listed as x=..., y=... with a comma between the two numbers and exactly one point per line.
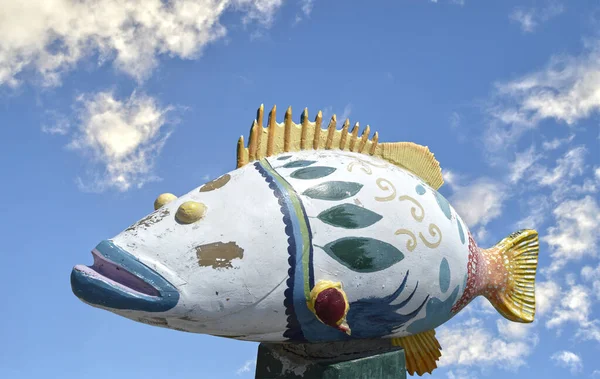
x=365, y=166
x=411, y=244
x=413, y=210
x=434, y=231
x=383, y=184
x=417, y=211
x=366, y=169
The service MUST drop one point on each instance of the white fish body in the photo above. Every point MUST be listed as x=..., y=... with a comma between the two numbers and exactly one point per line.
x=275, y=242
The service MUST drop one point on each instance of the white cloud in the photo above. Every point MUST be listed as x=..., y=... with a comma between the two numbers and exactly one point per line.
x=122, y=136
x=480, y=307
x=567, y=167
x=522, y=163
x=568, y=360
x=592, y=275
x=451, y=178
x=307, y=7
x=470, y=343
x=575, y=233
x=57, y=124
x=561, y=179
x=455, y=2
x=477, y=203
x=566, y=90
x=246, y=367
x=538, y=208
x=546, y=295
x=513, y=330
x=341, y=117
x=481, y=234
x=575, y=307
x=346, y=112
x=557, y=142
x=529, y=19
x=50, y=37
x=525, y=18
x=455, y=120
x=461, y=374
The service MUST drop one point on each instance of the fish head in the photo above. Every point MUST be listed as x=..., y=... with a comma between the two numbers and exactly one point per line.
x=187, y=265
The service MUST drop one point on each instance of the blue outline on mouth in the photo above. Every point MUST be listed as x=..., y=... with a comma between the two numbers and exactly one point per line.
x=152, y=292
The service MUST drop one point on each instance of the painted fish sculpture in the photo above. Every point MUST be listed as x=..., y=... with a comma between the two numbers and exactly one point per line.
x=319, y=235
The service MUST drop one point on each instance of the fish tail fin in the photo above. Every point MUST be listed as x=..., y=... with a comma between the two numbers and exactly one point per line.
x=511, y=287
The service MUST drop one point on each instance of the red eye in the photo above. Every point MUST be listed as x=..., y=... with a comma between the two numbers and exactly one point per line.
x=330, y=306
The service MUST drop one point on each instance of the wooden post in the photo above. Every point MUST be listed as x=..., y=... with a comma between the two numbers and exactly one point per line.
x=276, y=362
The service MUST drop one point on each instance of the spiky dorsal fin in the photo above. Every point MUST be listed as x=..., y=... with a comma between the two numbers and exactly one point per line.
x=421, y=350
x=288, y=136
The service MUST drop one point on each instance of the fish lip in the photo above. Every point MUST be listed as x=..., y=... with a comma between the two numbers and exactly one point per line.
x=118, y=280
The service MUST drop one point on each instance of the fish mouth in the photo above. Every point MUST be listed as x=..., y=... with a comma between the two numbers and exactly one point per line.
x=118, y=280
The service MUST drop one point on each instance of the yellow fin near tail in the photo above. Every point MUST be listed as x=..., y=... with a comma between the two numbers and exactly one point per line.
x=421, y=351
x=514, y=295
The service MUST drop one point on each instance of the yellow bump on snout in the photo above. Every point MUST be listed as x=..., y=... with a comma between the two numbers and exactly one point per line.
x=190, y=211
x=163, y=199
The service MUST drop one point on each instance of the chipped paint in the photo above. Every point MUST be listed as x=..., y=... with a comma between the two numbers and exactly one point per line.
x=218, y=254
x=149, y=220
x=216, y=184
x=156, y=321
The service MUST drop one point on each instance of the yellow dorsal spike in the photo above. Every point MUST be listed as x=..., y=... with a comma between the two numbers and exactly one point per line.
x=317, y=133
x=364, y=138
x=330, y=132
x=242, y=158
x=287, y=129
x=252, y=144
x=344, y=135
x=303, y=137
x=259, y=114
x=374, y=143
x=354, y=136
x=288, y=137
x=272, y=131
x=422, y=351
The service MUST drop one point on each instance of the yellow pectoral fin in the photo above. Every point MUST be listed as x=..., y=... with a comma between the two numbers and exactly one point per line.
x=422, y=351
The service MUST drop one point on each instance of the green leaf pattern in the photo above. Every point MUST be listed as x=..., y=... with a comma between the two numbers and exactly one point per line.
x=334, y=190
x=300, y=163
x=314, y=172
x=349, y=216
x=360, y=254
x=363, y=254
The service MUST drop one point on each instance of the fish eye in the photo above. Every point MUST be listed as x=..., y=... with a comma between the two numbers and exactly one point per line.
x=163, y=199
x=189, y=212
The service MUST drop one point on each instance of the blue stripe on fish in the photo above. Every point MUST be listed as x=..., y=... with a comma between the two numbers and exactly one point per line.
x=293, y=329
x=302, y=324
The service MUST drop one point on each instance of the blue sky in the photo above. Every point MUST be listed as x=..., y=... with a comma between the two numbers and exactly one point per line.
x=106, y=104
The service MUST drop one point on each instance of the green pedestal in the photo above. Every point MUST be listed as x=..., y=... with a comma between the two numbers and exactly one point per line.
x=274, y=362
